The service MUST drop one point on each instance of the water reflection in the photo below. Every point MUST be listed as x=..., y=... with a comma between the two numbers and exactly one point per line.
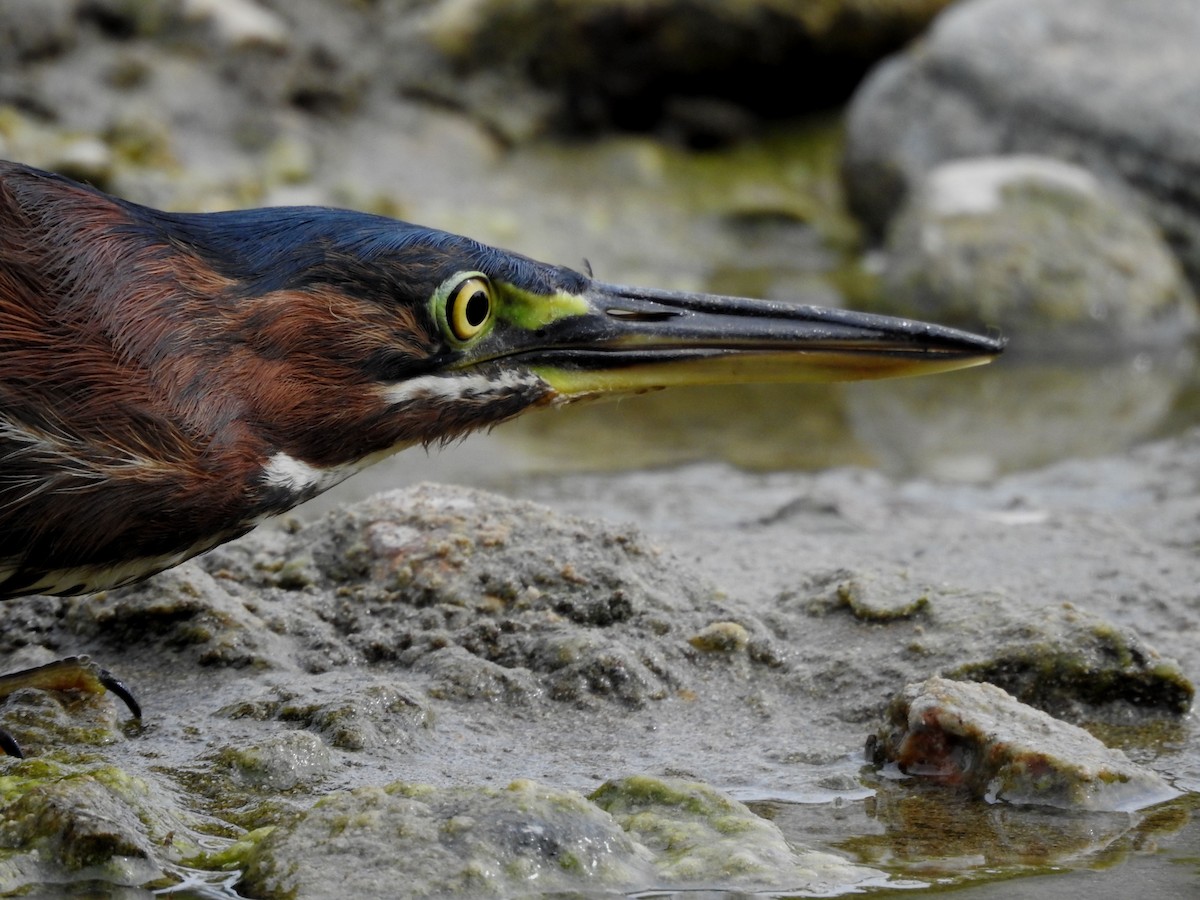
x=1015, y=414
x=1018, y=413
x=946, y=836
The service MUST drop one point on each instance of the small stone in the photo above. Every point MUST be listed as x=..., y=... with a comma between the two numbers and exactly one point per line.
x=721, y=637
x=871, y=602
x=980, y=738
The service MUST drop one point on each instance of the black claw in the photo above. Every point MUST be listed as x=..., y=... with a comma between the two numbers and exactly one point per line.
x=9, y=745
x=118, y=688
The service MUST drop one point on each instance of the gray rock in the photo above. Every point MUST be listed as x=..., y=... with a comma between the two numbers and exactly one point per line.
x=977, y=737
x=95, y=821
x=381, y=716
x=1024, y=76
x=532, y=840
x=1035, y=247
x=478, y=842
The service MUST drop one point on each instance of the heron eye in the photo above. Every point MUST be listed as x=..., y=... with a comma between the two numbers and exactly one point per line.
x=469, y=308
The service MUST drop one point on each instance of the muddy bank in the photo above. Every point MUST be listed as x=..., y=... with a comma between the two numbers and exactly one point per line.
x=418, y=654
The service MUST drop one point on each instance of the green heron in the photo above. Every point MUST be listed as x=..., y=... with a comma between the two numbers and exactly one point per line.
x=169, y=381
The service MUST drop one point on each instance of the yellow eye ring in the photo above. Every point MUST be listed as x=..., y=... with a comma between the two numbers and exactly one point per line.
x=469, y=308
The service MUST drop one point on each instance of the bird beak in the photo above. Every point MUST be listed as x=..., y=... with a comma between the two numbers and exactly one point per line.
x=634, y=339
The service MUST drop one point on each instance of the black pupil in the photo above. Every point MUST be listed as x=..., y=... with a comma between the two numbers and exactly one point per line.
x=477, y=309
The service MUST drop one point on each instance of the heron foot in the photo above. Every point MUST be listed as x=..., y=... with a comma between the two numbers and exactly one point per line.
x=74, y=673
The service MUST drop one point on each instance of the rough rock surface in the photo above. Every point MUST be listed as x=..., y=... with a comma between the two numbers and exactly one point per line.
x=532, y=840
x=979, y=738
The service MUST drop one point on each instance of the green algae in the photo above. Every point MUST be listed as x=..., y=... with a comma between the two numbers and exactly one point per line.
x=700, y=835
x=473, y=840
x=60, y=820
x=1103, y=665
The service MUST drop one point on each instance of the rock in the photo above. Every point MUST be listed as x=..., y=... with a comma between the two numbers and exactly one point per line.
x=378, y=716
x=480, y=842
x=58, y=823
x=485, y=842
x=283, y=762
x=436, y=567
x=869, y=600
x=188, y=611
x=1068, y=661
x=1022, y=76
x=700, y=70
x=1037, y=248
x=721, y=637
x=980, y=738
x=699, y=835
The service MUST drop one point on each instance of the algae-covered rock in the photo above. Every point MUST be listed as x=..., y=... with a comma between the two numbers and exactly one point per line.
x=980, y=738
x=1059, y=658
x=187, y=610
x=701, y=836
x=1066, y=659
x=282, y=762
x=533, y=840
x=721, y=637
x=423, y=841
x=870, y=600
x=377, y=716
x=59, y=822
